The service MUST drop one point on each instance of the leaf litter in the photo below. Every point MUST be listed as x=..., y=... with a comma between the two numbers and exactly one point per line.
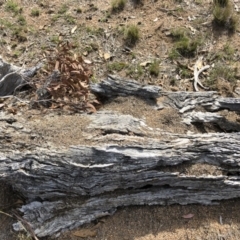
x=63, y=83
x=67, y=83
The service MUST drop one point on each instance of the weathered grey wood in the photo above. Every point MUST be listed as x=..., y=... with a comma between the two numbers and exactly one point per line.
x=115, y=86
x=127, y=162
x=67, y=187
x=13, y=77
x=207, y=117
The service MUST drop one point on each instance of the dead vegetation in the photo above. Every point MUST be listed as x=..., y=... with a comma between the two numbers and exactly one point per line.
x=65, y=83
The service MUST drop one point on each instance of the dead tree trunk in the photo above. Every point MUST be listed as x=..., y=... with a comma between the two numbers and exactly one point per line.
x=127, y=163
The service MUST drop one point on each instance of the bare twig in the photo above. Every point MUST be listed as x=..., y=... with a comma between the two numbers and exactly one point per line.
x=6, y=214
x=12, y=96
x=26, y=225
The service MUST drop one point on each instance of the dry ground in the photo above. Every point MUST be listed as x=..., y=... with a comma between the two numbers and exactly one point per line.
x=25, y=39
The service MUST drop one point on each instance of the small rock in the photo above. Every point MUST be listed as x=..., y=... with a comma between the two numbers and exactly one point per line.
x=174, y=89
x=87, y=61
x=168, y=33
x=73, y=29
x=107, y=56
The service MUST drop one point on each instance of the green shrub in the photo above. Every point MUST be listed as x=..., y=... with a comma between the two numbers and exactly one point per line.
x=35, y=12
x=22, y=21
x=116, y=66
x=135, y=71
x=154, y=68
x=221, y=71
x=221, y=3
x=131, y=34
x=12, y=6
x=184, y=45
x=63, y=9
x=78, y=10
x=69, y=19
x=223, y=15
x=118, y=5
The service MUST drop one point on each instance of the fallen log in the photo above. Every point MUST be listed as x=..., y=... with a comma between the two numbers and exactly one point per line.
x=121, y=161
x=67, y=187
x=115, y=86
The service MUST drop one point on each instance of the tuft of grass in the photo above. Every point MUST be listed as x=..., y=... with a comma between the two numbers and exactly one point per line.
x=154, y=68
x=21, y=20
x=221, y=3
x=178, y=34
x=233, y=24
x=78, y=10
x=13, y=7
x=23, y=236
x=63, y=9
x=135, y=71
x=35, y=12
x=137, y=2
x=55, y=17
x=91, y=47
x=6, y=23
x=93, y=79
x=131, y=34
x=95, y=31
x=55, y=39
x=228, y=52
x=224, y=72
x=183, y=45
x=185, y=73
x=69, y=19
x=116, y=66
x=223, y=15
x=118, y=5
x=19, y=32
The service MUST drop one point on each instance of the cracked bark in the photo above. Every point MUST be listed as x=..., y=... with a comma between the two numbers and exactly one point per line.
x=128, y=163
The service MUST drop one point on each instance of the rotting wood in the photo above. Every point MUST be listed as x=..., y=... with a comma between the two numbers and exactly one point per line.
x=67, y=187
x=127, y=163
x=115, y=86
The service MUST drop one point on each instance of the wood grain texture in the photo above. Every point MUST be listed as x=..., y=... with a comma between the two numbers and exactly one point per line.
x=127, y=163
